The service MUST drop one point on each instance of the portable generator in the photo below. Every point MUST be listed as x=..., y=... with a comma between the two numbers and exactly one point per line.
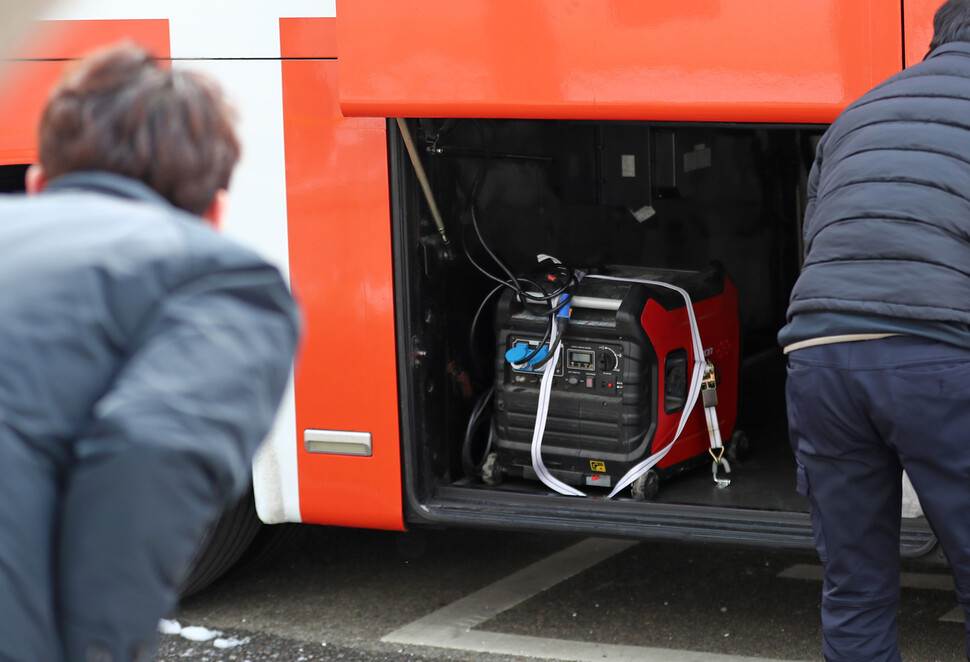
x=622, y=378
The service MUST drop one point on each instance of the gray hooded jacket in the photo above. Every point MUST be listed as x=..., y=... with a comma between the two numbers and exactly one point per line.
x=142, y=360
x=119, y=310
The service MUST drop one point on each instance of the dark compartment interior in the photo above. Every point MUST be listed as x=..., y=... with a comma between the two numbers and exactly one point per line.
x=12, y=178
x=591, y=194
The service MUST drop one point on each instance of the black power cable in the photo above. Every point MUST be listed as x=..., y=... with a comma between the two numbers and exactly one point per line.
x=528, y=292
x=468, y=463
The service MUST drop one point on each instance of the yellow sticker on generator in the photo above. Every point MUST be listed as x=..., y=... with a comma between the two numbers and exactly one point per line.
x=596, y=465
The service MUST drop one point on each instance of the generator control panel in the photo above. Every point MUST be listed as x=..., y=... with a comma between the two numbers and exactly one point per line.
x=582, y=367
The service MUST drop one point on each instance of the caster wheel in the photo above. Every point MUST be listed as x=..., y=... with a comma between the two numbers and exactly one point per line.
x=738, y=446
x=493, y=473
x=646, y=486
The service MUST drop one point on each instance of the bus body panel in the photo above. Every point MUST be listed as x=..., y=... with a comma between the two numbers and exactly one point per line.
x=700, y=60
x=918, y=24
x=338, y=227
x=324, y=191
x=41, y=61
x=340, y=261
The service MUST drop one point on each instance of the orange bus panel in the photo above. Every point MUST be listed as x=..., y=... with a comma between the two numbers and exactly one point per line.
x=338, y=214
x=27, y=81
x=674, y=60
x=308, y=37
x=25, y=87
x=918, y=23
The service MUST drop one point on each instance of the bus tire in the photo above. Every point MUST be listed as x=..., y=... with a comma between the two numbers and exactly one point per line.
x=224, y=544
x=269, y=544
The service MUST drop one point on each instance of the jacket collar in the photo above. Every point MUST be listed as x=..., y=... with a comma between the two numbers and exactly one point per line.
x=107, y=183
x=957, y=47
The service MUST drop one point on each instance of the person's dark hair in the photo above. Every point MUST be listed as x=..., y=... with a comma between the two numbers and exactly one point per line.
x=120, y=112
x=951, y=23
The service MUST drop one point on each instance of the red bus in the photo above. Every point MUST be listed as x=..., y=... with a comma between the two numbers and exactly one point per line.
x=401, y=161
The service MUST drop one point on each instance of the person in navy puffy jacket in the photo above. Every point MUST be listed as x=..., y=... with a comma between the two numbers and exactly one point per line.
x=878, y=338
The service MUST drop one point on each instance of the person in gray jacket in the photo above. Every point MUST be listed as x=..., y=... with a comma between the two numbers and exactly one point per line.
x=878, y=338
x=142, y=359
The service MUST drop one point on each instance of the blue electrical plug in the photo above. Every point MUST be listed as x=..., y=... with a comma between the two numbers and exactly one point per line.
x=517, y=354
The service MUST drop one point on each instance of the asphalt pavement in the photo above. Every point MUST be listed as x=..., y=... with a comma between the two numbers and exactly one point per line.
x=447, y=595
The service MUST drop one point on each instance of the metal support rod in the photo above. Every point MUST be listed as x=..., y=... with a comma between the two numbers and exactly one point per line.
x=422, y=177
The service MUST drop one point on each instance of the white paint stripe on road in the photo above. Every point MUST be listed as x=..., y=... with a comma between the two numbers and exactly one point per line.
x=559, y=649
x=451, y=626
x=933, y=582
x=486, y=603
x=955, y=615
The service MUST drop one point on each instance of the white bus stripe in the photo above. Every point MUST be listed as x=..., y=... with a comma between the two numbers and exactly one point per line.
x=214, y=29
x=257, y=217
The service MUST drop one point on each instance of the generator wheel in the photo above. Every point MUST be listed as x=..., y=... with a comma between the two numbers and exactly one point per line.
x=646, y=486
x=738, y=446
x=493, y=473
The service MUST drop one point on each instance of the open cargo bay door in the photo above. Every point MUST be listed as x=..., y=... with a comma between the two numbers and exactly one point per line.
x=617, y=136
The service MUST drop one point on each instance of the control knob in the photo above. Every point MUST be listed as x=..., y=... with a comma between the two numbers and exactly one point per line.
x=608, y=360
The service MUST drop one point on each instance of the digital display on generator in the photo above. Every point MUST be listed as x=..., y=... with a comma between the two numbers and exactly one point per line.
x=582, y=359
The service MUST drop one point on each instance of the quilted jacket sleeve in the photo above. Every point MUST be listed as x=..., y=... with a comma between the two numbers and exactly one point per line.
x=205, y=375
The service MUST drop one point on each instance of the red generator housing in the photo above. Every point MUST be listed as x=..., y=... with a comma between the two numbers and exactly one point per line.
x=622, y=379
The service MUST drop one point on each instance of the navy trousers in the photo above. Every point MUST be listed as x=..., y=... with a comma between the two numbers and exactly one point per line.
x=859, y=413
